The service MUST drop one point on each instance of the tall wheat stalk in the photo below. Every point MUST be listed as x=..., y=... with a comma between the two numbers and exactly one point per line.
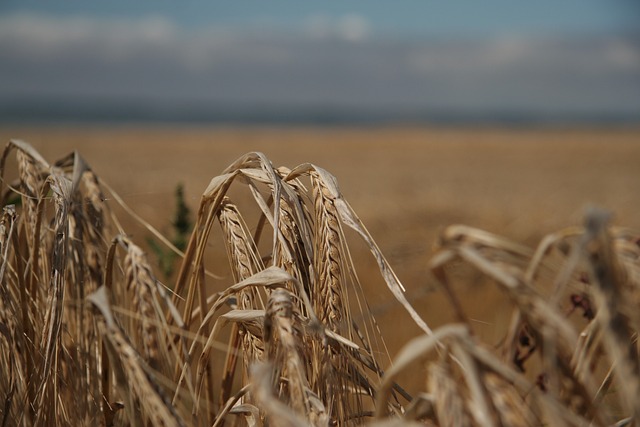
x=90, y=336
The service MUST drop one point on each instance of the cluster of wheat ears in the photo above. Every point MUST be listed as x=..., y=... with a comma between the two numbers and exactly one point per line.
x=90, y=336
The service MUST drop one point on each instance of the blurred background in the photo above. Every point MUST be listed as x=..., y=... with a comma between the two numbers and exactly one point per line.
x=503, y=115
x=320, y=62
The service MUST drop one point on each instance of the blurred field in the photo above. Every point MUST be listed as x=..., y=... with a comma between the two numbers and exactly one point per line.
x=407, y=184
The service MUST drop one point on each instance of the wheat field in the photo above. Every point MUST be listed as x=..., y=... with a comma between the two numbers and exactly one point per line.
x=324, y=282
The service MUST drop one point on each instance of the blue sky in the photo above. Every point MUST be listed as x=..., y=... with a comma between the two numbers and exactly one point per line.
x=547, y=57
x=404, y=17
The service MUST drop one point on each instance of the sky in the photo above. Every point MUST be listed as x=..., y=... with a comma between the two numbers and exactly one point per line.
x=256, y=58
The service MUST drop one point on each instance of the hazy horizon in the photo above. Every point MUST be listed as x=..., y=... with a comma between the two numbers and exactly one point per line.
x=362, y=61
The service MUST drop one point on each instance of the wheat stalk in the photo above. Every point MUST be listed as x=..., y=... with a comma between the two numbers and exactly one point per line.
x=279, y=341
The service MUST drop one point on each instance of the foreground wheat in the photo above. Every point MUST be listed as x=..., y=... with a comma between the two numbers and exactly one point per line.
x=90, y=336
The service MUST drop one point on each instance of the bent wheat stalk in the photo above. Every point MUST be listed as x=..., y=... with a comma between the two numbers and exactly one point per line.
x=89, y=335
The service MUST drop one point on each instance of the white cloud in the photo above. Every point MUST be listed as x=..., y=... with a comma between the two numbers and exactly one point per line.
x=353, y=28
x=350, y=27
x=330, y=61
x=45, y=36
x=624, y=54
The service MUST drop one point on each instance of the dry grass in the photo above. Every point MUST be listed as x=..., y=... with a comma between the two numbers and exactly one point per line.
x=90, y=336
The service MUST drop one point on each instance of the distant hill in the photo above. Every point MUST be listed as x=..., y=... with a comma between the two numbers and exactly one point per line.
x=84, y=112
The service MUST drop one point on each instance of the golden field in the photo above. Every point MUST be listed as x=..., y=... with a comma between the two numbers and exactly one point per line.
x=406, y=184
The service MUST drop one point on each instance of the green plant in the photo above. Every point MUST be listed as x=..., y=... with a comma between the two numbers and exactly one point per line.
x=181, y=226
